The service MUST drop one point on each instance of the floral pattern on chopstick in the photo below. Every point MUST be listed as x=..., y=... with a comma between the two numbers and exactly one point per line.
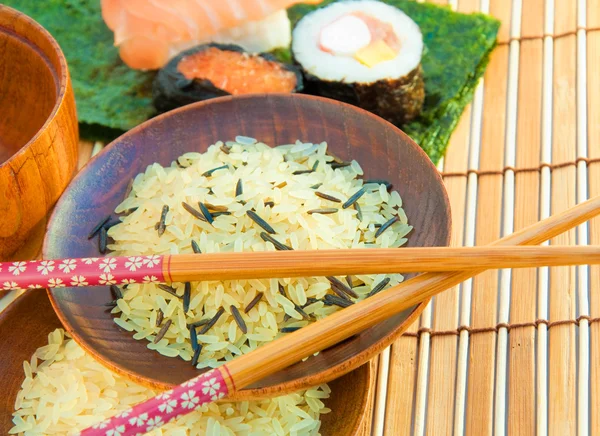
x=91, y=271
x=157, y=411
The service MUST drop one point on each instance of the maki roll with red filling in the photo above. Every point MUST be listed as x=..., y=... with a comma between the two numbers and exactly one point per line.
x=365, y=53
x=216, y=70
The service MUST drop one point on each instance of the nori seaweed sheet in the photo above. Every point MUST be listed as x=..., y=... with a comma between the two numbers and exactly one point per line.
x=457, y=49
x=110, y=95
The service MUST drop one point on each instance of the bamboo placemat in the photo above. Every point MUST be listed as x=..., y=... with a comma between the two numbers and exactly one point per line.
x=513, y=352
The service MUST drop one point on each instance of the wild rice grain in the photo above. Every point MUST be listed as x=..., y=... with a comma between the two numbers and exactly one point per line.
x=159, y=317
x=97, y=227
x=299, y=172
x=163, y=331
x=210, y=172
x=349, y=281
x=192, y=211
x=334, y=300
x=194, y=338
x=116, y=292
x=112, y=223
x=359, y=214
x=341, y=286
x=169, y=290
x=225, y=149
x=278, y=245
x=254, y=302
x=206, y=213
x=198, y=323
x=237, y=316
x=385, y=226
x=328, y=197
x=239, y=188
x=301, y=312
x=322, y=211
x=196, y=354
x=212, y=321
x=187, y=293
x=387, y=184
x=261, y=222
x=162, y=224
x=354, y=198
x=290, y=329
x=102, y=241
x=336, y=165
x=379, y=287
x=269, y=203
x=281, y=290
x=196, y=247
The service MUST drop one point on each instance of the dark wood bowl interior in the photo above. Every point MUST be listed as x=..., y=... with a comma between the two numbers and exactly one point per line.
x=38, y=130
x=28, y=79
x=25, y=325
x=382, y=150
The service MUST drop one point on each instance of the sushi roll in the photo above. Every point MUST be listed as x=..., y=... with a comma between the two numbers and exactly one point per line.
x=216, y=70
x=365, y=53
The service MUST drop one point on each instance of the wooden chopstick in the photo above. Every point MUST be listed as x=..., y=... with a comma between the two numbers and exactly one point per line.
x=220, y=266
x=274, y=356
x=280, y=264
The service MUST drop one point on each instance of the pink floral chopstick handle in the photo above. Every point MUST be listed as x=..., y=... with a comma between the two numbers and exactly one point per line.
x=157, y=411
x=91, y=271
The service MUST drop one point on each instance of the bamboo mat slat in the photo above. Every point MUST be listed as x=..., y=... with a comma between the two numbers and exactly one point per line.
x=513, y=352
x=593, y=137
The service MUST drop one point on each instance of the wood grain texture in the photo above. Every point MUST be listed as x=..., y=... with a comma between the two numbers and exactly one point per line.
x=38, y=128
x=593, y=107
x=521, y=370
x=32, y=315
x=382, y=150
x=562, y=367
x=260, y=265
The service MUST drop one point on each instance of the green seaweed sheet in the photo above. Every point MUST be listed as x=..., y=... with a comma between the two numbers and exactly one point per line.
x=112, y=98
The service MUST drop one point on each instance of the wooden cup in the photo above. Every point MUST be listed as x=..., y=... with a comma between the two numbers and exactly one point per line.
x=38, y=128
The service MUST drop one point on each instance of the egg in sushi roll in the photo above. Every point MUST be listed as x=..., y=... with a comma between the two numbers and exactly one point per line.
x=363, y=52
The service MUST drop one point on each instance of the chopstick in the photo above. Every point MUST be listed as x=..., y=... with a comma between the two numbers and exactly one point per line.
x=274, y=356
x=233, y=266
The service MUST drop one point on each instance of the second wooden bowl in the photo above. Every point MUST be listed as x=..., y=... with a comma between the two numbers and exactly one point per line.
x=38, y=128
x=24, y=327
x=383, y=151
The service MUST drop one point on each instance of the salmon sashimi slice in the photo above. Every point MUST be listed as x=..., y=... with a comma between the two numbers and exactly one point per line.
x=169, y=26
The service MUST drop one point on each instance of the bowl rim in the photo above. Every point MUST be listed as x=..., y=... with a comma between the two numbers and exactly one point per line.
x=321, y=376
x=61, y=77
x=366, y=397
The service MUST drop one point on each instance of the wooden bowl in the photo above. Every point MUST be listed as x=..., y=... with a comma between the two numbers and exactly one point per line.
x=382, y=150
x=38, y=128
x=24, y=327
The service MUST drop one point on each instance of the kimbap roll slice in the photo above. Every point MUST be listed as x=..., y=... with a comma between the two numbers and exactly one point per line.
x=215, y=70
x=365, y=53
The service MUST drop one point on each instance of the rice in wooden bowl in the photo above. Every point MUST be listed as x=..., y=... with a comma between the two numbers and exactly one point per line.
x=380, y=150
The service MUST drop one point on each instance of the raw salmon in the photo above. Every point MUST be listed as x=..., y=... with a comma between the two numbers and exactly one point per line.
x=150, y=32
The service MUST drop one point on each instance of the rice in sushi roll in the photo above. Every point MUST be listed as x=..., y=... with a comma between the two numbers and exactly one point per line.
x=215, y=70
x=366, y=53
